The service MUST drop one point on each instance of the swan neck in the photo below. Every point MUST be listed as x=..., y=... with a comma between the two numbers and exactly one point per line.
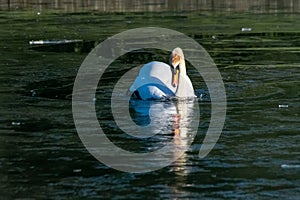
x=182, y=68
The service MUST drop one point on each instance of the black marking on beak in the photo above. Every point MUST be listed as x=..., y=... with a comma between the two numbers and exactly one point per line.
x=174, y=69
x=175, y=75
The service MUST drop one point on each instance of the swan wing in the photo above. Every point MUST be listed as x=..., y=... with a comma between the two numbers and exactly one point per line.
x=154, y=80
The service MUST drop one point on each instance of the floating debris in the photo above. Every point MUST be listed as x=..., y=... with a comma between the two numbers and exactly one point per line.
x=77, y=170
x=15, y=123
x=246, y=29
x=286, y=166
x=62, y=45
x=283, y=106
x=39, y=42
x=33, y=93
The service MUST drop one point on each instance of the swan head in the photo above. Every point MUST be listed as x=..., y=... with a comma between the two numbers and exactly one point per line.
x=176, y=62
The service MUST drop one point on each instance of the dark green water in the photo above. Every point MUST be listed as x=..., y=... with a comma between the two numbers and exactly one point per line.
x=256, y=157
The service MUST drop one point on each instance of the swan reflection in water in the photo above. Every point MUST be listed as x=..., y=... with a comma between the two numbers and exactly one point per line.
x=175, y=119
x=164, y=116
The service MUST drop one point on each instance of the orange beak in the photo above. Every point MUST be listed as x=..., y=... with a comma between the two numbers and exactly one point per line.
x=175, y=78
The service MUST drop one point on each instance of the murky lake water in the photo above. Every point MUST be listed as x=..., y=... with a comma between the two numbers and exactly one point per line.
x=256, y=157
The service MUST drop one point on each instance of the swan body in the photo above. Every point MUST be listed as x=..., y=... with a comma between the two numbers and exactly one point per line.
x=158, y=80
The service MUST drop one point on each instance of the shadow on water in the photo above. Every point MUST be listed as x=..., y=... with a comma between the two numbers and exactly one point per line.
x=41, y=155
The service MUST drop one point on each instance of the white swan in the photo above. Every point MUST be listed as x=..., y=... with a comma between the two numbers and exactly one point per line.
x=158, y=80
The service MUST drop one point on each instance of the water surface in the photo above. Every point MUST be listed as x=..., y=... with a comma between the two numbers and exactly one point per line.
x=257, y=156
